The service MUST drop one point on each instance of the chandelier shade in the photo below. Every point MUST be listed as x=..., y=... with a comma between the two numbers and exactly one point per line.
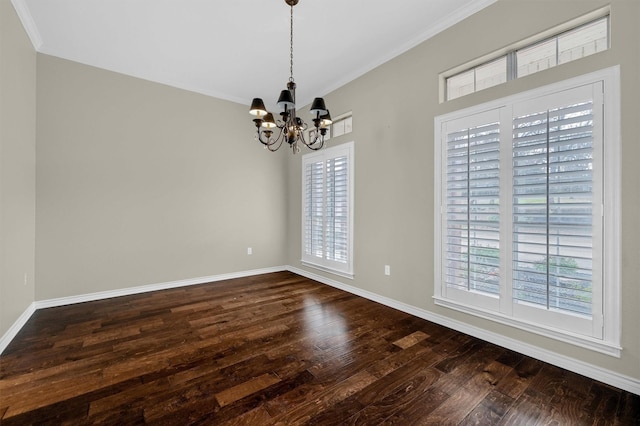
x=290, y=128
x=318, y=107
x=325, y=120
x=285, y=101
x=257, y=108
x=268, y=121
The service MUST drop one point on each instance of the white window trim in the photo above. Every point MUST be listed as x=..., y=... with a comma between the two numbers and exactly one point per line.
x=347, y=149
x=610, y=344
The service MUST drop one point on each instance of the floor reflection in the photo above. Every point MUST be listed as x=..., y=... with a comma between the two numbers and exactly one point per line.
x=324, y=324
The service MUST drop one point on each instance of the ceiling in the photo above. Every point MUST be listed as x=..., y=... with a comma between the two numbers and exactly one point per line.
x=237, y=49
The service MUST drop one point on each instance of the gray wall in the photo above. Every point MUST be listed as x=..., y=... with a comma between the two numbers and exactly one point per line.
x=140, y=183
x=393, y=114
x=17, y=167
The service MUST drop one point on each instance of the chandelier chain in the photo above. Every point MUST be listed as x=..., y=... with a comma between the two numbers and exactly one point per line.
x=291, y=47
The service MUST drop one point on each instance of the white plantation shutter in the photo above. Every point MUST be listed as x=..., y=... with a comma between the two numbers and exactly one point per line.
x=327, y=208
x=553, y=208
x=521, y=229
x=337, y=209
x=557, y=199
x=314, y=209
x=473, y=209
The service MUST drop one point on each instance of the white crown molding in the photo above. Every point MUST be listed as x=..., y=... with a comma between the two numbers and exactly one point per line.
x=449, y=21
x=28, y=23
x=612, y=378
x=445, y=23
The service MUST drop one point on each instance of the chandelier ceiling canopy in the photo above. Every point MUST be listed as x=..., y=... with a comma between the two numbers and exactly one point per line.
x=289, y=127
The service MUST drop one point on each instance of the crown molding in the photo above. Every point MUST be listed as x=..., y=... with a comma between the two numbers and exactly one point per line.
x=28, y=23
x=449, y=21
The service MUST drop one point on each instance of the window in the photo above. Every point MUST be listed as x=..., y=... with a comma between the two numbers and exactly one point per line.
x=566, y=47
x=341, y=125
x=472, y=243
x=537, y=58
x=553, y=196
x=327, y=197
x=525, y=229
x=581, y=38
x=478, y=78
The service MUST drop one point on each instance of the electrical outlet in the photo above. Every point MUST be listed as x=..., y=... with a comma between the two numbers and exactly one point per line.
x=26, y=277
x=387, y=270
x=249, y=251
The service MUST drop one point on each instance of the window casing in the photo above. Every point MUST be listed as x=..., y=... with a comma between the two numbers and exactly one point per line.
x=524, y=227
x=327, y=210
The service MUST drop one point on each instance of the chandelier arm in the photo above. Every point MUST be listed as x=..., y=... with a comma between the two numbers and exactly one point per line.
x=301, y=138
x=259, y=137
x=317, y=137
x=268, y=141
x=316, y=148
x=270, y=146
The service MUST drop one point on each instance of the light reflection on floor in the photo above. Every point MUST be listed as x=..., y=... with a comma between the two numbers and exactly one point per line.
x=323, y=324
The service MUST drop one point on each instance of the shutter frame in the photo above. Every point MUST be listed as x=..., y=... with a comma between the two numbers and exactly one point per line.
x=327, y=242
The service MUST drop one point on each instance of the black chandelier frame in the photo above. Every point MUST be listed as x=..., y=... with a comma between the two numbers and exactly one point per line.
x=290, y=127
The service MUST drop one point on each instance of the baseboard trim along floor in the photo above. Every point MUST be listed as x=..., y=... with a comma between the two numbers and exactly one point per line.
x=609, y=377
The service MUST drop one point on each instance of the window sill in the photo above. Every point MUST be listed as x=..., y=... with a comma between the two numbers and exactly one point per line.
x=327, y=269
x=586, y=342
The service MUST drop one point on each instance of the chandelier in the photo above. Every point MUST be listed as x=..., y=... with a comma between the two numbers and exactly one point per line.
x=290, y=127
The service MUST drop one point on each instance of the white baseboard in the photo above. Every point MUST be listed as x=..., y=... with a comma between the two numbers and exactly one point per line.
x=612, y=378
x=91, y=297
x=16, y=327
x=62, y=301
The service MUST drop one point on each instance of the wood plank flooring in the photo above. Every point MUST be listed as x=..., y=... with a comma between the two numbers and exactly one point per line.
x=279, y=349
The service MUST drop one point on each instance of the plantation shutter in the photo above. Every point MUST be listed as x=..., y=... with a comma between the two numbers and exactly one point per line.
x=473, y=209
x=523, y=219
x=337, y=209
x=327, y=216
x=314, y=209
x=553, y=201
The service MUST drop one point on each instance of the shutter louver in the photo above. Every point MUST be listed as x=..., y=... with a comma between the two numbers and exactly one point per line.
x=552, y=208
x=472, y=210
x=327, y=211
x=336, y=213
x=314, y=201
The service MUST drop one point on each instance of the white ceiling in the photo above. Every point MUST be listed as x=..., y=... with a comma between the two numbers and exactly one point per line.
x=237, y=49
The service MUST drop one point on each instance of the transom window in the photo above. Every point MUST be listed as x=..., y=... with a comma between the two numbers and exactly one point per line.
x=582, y=39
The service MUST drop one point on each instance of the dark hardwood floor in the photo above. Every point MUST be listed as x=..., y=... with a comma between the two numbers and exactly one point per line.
x=279, y=349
